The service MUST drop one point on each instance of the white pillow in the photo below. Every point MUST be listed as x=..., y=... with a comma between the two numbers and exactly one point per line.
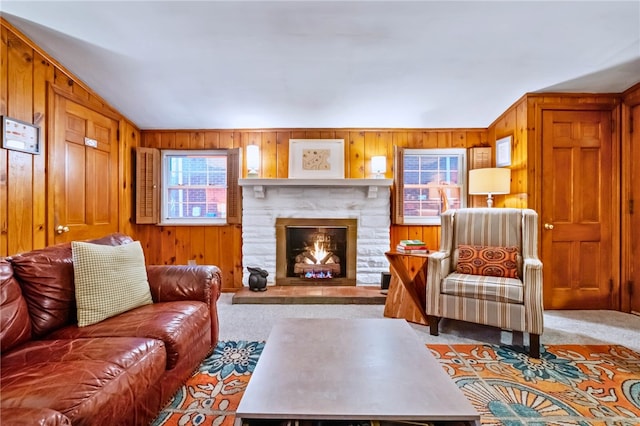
x=109, y=280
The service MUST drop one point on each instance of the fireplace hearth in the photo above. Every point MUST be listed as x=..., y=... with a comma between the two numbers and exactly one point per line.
x=315, y=251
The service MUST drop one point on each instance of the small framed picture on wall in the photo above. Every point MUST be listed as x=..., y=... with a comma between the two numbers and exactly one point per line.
x=20, y=136
x=503, y=151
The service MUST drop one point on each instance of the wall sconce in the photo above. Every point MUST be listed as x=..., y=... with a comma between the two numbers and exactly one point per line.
x=379, y=166
x=253, y=160
x=490, y=181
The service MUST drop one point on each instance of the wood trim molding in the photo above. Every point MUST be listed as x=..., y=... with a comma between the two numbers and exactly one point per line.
x=79, y=100
x=631, y=96
x=234, y=191
x=397, y=199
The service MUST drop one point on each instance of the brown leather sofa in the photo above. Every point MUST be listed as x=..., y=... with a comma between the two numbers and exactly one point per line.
x=120, y=371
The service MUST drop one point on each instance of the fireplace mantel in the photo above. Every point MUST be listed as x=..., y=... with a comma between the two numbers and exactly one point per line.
x=259, y=185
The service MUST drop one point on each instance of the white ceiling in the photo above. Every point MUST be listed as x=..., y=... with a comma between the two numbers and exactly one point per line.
x=333, y=64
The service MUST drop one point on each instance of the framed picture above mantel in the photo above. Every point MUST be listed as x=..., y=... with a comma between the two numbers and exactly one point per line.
x=316, y=158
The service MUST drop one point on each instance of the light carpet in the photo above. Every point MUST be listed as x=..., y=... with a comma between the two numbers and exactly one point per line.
x=582, y=327
x=569, y=385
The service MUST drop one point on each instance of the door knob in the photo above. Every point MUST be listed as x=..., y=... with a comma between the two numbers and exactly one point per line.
x=62, y=229
x=548, y=226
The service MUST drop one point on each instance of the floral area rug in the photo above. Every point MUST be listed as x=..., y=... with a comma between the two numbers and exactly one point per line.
x=568, y=385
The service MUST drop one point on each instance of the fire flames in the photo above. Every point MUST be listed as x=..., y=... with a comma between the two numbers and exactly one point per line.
x=318, y=261
x=318, y=274
x=319, y=253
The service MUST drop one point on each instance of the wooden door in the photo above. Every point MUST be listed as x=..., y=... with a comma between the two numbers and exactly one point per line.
x=84, y=172
x=578, y=211
x=634, y=240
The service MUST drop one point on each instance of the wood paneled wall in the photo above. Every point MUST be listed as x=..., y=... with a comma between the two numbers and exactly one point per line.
x=130, y=138
x=513, y=122
x=25, y=223
x=520, y=121
x=23, y=76
x=25, y=73
x=211, y=245
x=222, y=245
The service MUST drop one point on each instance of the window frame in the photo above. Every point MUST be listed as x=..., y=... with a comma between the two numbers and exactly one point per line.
x=399, y=178
x=164, y=220
x=147, y=184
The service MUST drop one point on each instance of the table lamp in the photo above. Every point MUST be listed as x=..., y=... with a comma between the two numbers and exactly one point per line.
x=490, y=181
x=253, y=160
x=379, y=166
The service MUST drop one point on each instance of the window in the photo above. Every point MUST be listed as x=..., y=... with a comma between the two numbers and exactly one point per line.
x=194, y=187
x=191, y=187
x=428, y=182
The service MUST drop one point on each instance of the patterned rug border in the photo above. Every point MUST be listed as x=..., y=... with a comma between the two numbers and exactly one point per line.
x=569, y=385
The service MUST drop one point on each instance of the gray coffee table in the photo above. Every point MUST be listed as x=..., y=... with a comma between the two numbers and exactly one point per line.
x=360, y=369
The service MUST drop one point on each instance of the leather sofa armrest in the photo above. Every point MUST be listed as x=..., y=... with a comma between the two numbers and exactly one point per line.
x=170, y=283
x=33, y=416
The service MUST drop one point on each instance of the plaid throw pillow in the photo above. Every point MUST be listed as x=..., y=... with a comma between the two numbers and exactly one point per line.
x=488, y=261
x=109, y=280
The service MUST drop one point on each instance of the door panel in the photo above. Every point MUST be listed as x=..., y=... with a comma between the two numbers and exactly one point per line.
x=101, y=165
x=74, y=188
x=577, y=210
x=85, y=178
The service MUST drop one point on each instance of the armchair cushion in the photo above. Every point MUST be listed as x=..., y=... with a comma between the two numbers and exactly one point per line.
x=488, y=261
x=498, y=289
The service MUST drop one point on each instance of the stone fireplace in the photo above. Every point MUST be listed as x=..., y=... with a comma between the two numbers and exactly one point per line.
x=350, y=216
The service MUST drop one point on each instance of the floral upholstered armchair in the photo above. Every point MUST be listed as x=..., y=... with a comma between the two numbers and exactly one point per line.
x=487, y=271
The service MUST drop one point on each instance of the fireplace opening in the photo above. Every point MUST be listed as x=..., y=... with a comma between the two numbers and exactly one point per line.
x=315, y=251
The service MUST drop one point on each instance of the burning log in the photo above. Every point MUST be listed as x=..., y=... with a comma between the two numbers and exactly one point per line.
x=327, y=258
x=306, y=257
x=315, y=271
x=307, y=264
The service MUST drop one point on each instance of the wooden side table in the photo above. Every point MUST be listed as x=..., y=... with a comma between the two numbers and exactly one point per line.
x=407, y=295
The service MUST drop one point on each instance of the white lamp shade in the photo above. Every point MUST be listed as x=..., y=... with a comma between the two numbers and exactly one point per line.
x=490, y=181
x=378, y=164
x=253, y=158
